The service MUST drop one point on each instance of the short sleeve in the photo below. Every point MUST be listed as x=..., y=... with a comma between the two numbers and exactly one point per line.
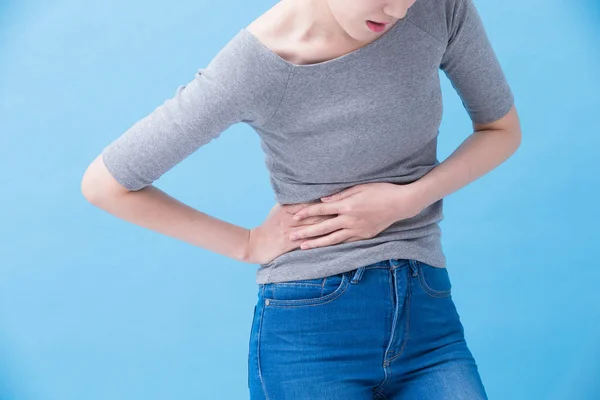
x=235, y=86
x=471, y=65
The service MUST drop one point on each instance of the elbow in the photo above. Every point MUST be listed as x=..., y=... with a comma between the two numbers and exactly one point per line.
x=519, y=139
x=514, y=126
x=514, y=138
x=97, y=183
x=517, y=136
x=89, y=188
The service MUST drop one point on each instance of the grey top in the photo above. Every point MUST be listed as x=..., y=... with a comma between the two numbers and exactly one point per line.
x=371, y=115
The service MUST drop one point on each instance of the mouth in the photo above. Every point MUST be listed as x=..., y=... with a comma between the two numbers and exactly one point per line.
x=376, y=26
x=378, y=22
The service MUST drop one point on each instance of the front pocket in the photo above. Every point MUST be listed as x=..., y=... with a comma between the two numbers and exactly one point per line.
x=306, y=292
x=434, y=281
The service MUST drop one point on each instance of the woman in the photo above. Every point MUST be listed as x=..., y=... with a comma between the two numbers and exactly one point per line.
x=346, y=99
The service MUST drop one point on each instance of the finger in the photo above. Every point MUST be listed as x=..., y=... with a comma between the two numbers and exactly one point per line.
x=317, y=209
x=319, y=229
x=333, y=238
x=294, y=208
x=312, y=220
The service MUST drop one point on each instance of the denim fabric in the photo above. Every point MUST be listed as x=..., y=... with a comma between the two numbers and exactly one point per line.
x=387, y=330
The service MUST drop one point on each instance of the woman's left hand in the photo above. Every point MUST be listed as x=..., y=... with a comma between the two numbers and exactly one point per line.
x=362, y=212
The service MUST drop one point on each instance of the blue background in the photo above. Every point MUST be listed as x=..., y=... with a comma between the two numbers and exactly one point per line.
x=93, y=307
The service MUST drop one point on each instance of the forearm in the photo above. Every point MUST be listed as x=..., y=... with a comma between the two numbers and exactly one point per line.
x=480, y=153
x=154, y=209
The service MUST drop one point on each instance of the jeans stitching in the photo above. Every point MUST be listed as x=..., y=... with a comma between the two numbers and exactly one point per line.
x=312, y=302
x=431, y=292
x=262, y=382
x=295, y=284
x=383, y=396
x=408, y=303
x=391, y=286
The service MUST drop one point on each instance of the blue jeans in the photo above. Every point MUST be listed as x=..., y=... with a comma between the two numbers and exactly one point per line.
x=388, y=330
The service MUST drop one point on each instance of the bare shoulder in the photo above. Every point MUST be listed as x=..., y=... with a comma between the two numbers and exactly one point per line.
x=274, y=29
x=266, y=24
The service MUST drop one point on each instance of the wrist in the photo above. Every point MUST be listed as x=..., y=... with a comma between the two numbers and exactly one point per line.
x=421, y=195
x=250, y=249
x=246, y=255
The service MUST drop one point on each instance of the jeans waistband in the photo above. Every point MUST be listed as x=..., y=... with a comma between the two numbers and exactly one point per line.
x=390, y=264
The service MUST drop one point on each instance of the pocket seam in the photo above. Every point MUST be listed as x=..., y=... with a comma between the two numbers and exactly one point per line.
x=315, y=301
x=430, y=291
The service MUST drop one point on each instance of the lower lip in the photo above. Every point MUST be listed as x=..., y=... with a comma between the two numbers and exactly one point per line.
x=375, y=27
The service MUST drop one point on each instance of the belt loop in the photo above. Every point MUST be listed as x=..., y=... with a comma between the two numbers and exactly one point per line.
x=395, y=263
x=358, y=274
x=413, y=266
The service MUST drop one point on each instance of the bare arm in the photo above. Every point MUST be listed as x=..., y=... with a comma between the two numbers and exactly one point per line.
x=490, y=145
x=154, y=209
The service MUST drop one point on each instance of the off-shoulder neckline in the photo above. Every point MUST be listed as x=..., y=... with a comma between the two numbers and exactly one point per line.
x=379, y=41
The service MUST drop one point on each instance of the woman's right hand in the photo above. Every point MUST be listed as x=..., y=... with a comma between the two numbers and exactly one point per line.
x=271, y=239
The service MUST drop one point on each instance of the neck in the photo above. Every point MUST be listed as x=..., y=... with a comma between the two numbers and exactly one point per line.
x=312, y=21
